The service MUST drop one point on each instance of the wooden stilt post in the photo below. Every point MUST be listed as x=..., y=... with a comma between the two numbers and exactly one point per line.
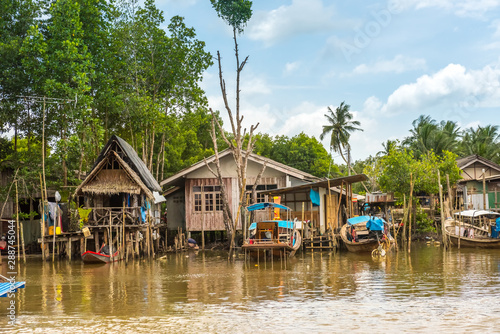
x=18, y=240
x=443, y=232
x=166, y=239
x=96, y=240
x=42, y=221
x=484, y=189
x=123, y=227
x=69, y=249
x=303, y=222
x=110, y=238
x=203, y=232
x=136, y=243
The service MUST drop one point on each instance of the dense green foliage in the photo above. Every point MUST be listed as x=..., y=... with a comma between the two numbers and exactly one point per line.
x=301, y=151
x=96, y=68
x=236, y=13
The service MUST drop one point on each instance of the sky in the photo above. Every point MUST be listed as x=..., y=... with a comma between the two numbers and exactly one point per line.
x=391, y=61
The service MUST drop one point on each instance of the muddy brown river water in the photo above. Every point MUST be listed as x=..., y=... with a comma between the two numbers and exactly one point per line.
x=427, y=291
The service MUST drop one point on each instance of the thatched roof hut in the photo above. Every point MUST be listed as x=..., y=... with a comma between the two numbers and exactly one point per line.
x=118, y=169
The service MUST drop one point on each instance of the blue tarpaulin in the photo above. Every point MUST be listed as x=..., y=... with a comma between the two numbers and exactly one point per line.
x=375, y=224
x=372, y=223
x=495, y=232
x=358, y=220
x=281, y=223
x=314, y=196
x=260, y=206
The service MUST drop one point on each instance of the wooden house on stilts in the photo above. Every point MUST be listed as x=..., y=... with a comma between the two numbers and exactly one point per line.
x=122, y=200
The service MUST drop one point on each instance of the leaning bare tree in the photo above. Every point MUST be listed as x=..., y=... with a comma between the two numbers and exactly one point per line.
x=236, y=13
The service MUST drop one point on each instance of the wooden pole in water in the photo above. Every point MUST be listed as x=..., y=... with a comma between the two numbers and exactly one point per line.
x=394, y=231
x=405, y=212
x=20, y=225
x=54, y=235
x=110, y=237
x=410, y=208
x=123, y=228
x=484, y=189
x=42, y=223
x=203, y=231
x=303, y=223
x=17, y=224
x=443, y=232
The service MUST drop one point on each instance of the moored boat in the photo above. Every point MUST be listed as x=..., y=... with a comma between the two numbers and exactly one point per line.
x=103, y=256
x=365, y=234
x=273, y=237
x=474, y=228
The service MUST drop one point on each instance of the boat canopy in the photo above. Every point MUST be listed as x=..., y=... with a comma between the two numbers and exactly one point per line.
x=372, y=223
x=476, y=213
x=281, y=223
x=358, y=220
x=263, y=205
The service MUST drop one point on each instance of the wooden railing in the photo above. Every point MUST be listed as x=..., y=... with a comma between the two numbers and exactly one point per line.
x=101, y=216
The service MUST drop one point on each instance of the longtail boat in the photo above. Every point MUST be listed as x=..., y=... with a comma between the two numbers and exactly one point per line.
x=474, y=228
x=274, y=238
x=365, y=234
x=102, y=256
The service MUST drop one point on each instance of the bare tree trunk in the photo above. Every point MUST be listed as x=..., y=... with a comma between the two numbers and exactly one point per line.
x=152, y=151
x=162, y=152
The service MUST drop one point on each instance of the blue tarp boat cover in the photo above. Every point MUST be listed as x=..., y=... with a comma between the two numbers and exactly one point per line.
x=375, y=224
x=263, y=205
x=281, y=223
x=372, y=223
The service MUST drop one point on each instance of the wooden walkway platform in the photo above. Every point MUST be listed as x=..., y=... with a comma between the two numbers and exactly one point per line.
x=322, y=242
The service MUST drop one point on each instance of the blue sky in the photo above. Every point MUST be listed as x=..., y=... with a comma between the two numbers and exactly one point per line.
x=391, y=61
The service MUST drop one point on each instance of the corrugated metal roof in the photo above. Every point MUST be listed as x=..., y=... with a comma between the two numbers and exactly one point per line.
x=320, y=184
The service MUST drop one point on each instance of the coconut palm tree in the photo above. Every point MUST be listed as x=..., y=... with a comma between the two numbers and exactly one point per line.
x=339, y=128
x=388, y=147
x=482, y=141
x=427, y=135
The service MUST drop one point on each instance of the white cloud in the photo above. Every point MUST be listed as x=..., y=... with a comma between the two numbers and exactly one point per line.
x=306, y=117
x=290, y=68
x=454, y=85
x=463, y=8
x=496, y=25
x=253, y=85
x=399, y=64
x=179, y=3
x=301, y=17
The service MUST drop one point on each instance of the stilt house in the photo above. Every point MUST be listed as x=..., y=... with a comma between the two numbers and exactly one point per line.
x=193, y=195
x=120, y=192
x=480, y=183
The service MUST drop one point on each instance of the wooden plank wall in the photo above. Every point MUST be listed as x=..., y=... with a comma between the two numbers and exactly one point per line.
x=208, y=221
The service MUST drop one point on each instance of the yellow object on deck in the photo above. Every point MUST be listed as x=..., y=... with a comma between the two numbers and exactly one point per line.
x=51, y=230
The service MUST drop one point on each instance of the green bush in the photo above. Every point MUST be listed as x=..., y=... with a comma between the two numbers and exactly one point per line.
x=424, y=223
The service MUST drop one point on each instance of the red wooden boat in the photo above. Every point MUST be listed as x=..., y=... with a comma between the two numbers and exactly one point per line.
x=100, y=257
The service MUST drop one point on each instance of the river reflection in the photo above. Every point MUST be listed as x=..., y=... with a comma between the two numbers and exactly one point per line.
x=427, y=290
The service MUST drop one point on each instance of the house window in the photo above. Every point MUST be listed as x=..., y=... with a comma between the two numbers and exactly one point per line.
x=197, y=202
x=260, y=196
x=207, y=198
x=209, y=202
x=218, y=202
